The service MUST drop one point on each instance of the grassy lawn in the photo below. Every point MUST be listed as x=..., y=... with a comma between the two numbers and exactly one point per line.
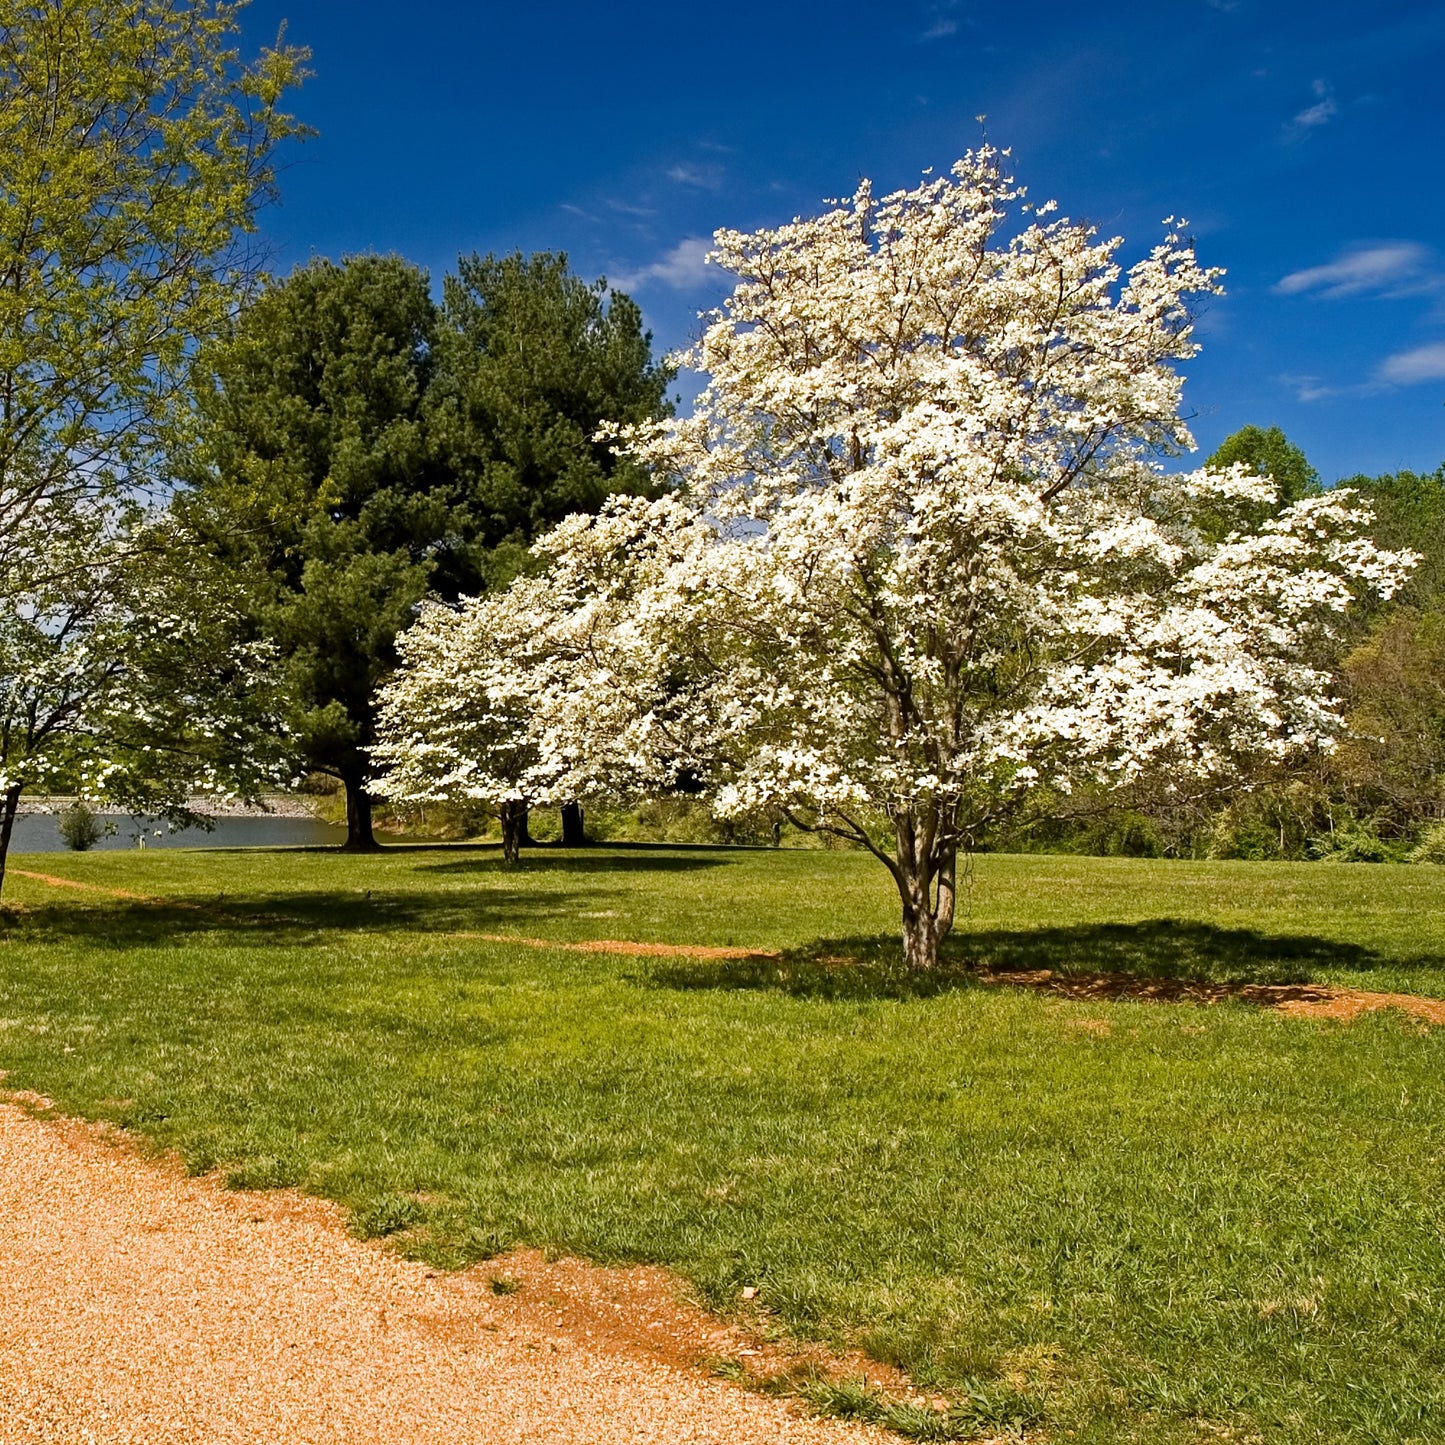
x=1149, y=1222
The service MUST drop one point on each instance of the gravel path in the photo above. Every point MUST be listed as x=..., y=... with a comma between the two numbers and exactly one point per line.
x=137, y=1305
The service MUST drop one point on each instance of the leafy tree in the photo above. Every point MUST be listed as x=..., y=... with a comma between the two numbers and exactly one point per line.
x=1268, y=453
x=1395, y=756
x=313, y=474
x=361, y=451
x=531, y=362
x=135, y=149
x=919, y=555
x=1392, y=765
x=1409, y=512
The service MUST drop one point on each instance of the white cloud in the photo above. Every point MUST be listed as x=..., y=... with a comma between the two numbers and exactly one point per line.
x=708, y=178
x=1405, y=368
x=684, y=266
x=1322, y=111
x=1387, y=268
x=1309, y=388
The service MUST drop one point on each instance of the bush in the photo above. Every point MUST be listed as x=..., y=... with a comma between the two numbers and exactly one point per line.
x=1352, y=842
x=80, y=828
x=1431, y=847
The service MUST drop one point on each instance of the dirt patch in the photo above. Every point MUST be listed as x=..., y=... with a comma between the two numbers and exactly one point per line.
x=124, y=894
x=1299, y=1000
x=615, y=945
x=644, y=1311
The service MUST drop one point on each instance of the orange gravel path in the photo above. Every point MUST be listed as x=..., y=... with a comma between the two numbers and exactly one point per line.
x=139, y=1307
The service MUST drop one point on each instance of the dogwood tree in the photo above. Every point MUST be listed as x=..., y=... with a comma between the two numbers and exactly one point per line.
x=920, y=553
x=126, y=674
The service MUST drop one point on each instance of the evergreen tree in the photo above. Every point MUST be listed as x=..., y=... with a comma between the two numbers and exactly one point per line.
x=313, y=474
x=359, y=449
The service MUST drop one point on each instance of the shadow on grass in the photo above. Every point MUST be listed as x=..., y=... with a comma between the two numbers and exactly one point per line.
x=582, y=862
x=286, y=918
x=1158, y=953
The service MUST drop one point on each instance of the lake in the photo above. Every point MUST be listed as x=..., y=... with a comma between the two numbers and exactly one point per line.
x=37, y=833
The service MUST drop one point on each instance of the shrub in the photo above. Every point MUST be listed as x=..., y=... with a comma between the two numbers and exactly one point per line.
x=1351, y=842
x=1431, y=847
x=80, y=828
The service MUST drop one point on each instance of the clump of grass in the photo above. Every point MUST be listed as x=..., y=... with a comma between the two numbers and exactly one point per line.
x=266, y=1171
x=504, y=1284
x=985, y=1410
x=386, y=1214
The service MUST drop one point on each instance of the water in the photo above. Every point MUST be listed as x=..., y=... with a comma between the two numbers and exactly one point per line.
x=37, y=833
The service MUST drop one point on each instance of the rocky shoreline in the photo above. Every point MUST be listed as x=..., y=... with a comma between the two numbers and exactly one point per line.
x=275, y=806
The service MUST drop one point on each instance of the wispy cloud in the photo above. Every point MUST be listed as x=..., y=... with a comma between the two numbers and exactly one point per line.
x=682, y=267
x=1309, y=388
x=1406, y=368
x=943, y=21
x=1320, y=113
x=685, y=173
x=1383, y=268
x=630, y=208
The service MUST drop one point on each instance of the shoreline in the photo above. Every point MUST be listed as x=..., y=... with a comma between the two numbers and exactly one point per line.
x=271, y=806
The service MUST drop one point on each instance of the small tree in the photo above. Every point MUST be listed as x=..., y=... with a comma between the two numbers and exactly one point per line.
x=130, y=674
x=919, y=554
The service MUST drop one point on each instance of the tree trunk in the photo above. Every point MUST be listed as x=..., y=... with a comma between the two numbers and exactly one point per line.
x=9, y=804
x=574, y=832
x=359, y=835
x=926, y=877
x=514, y=830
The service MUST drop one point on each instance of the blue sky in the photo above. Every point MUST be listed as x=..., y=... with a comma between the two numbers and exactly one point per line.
x=1304, y=142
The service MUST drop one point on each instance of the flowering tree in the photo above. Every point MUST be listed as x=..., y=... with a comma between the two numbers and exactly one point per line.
x=125, y=675
x=531, y=695
x=919, y=552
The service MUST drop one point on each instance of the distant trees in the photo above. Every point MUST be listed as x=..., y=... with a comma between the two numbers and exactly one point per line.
x=1393, y=763
x=1267, y=452
x=360, y=448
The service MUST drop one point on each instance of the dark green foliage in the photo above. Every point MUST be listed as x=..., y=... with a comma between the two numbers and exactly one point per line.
x=1410, y=515
x=358, y=449
x=79, y=827
x=531, y=361
x=313, y=476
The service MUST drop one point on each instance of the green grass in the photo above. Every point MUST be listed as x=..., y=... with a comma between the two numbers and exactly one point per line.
x=1190, y=1224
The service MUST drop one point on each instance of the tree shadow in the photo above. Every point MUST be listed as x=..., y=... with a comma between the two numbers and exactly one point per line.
x=1159, y=958
x=309, y=918
x=580, y=862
